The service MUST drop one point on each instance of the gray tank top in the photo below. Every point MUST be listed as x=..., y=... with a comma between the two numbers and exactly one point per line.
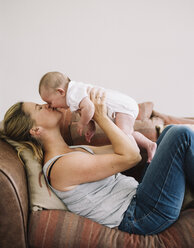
x=104, y=201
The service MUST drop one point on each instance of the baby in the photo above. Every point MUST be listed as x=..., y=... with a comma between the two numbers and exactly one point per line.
x=59, y=91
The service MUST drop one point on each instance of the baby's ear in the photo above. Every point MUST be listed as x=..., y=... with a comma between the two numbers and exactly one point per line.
x=61, y=91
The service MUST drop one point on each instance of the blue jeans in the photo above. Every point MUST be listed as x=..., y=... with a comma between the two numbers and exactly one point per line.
x=160, y=195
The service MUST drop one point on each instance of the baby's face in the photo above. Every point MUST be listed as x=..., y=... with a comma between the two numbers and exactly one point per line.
x=54, y=99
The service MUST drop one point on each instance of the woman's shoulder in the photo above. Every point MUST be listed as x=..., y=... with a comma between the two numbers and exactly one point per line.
x=75, y=148
x=51, y=161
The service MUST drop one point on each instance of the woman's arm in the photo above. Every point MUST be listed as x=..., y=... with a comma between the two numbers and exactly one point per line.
x=106, y=149
x=80, y=167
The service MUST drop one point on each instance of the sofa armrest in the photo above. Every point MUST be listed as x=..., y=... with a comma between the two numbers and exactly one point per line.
x=14, y=199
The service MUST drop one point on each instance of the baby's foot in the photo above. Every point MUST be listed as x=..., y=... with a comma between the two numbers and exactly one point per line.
x=151, y=149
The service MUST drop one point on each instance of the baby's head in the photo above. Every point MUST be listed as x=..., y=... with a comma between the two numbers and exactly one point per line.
x=52, y=89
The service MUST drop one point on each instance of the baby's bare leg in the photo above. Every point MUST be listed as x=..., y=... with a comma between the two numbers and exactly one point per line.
x=126, y=123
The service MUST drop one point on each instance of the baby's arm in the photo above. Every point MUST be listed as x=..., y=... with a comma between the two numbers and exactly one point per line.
x=86, y=113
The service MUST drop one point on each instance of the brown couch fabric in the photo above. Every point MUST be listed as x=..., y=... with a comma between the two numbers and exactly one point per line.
x=168, y=119
x=57, y=228
x=13, y=199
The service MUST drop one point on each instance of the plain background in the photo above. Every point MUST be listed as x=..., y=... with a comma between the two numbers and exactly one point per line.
x=144, y=48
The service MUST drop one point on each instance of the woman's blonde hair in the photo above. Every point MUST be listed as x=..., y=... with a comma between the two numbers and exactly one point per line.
x=16, y=126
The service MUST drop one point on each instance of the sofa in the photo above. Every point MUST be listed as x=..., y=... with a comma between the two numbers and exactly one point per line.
x=22, y=225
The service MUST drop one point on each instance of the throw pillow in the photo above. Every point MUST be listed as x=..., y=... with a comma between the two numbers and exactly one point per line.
x=40, y=194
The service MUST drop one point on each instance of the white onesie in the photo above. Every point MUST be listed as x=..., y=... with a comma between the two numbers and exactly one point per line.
x=115, y=101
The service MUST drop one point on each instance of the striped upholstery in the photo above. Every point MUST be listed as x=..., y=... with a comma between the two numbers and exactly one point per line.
x=57, y=228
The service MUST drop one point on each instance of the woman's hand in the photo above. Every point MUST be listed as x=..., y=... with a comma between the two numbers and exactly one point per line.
x=98, y=97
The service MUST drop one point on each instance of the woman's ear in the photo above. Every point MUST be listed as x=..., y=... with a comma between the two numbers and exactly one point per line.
x=35, y=131
x=61, y=91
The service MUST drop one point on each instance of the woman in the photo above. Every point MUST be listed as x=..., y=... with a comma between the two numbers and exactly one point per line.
x=88, y=179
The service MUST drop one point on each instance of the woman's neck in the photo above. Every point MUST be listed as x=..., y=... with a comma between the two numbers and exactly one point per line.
x=54, y=144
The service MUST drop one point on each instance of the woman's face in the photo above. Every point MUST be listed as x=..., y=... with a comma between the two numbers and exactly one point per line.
x=42, y=114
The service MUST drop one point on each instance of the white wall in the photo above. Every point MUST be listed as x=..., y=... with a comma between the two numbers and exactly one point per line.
x=144, y=48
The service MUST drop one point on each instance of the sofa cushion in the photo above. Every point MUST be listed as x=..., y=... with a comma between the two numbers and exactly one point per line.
x=148, y=127
x=41, y=196
x=57, y=228
x=169, y=119
x=145, y=110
